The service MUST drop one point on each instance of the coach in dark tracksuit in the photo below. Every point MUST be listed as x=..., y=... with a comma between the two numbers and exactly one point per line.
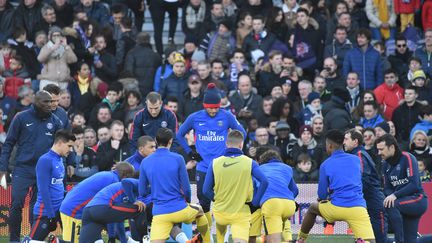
x=32, y=132
x=150, y=119
x=405, y=200
x=371, y=184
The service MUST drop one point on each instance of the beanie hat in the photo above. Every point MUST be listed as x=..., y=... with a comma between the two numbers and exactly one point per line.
x=178, y=57
x=169, y=50
x=313, y=96
x=191, y=39
x=305, y=128
x=418, y=74
x=227, y=24
x=55, y=29
x=198, y=56
x=212, y=97
x=282, y=125
x=342, y=93
x=384, y=126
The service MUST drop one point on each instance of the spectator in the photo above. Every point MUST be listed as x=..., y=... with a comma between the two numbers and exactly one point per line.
x=81, y=83
x=400, y=59
x=7, y=13
x=261, y=140
x=425, y=123
x=420, y=81
x=176, y=83
x=245, y=99
x=343, y=20
x=272, y=73
x=218, y=74
x=78, y=120
x=15, y=77
x=191, y=53
x=125, y=43
x=406, y=11
x=355, y=60
x=258, y=42
x=28, y=16
x=305, y=170
x=61, y=114
x=335, y=114
x=276, y=23
x=371, y=117
x=382, y=17
x=423, y=173
x=353, y=87
x=172, y=104
x=406, y=115
x=132, y=105
x=337, y=8
x=312, y=109
x=389, y=94
x=151, y=118
x=102, y=116
x=24, y=102
x=204, y=73
x=424, y=53
x=219, y=44
x=426, y=18
x=103, y=134
x=5, y=55
x=420, y=148
x=306, y=144
x=331, y=74
x=90, y=138
x=283, y=110
x=237, y=65
x=114, y=150
x=193, y=97
x=85, y=159
x=164, y=70
x=380, y=47
x=22, y=47
x=7, y=104
x=367, y=95
x=415, y=64
x=289, y=9
x=56, y=55
x=194, y=16
x=318, y=130
x=41, y=39
x=95, y=11
x=304, y=89
x=64, y=13
x=357, y=12
x=381, y=129
x=285, y=141
x=65, y=101
x=339, y=46
x=244, y=28
x=28, y=132
x=120, y=11
x=230, y=9
x=49, y=19
x=306, y=43
x=104, y=63
x=264, y=113
x=112, y=100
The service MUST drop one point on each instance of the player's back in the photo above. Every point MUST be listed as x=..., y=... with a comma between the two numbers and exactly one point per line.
x=343, y=174
x=232, y=183
x=83, y=192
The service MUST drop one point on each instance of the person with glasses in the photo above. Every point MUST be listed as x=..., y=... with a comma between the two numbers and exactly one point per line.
x=400, y=59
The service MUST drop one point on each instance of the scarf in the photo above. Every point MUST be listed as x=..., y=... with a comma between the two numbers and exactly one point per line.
x=83, y=36
x=83, y=84
x=383, y=15
x=194, y=16
x=57, y=53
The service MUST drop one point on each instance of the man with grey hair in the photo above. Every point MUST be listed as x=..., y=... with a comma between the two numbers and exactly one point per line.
x=304, y=89
x=49, y=18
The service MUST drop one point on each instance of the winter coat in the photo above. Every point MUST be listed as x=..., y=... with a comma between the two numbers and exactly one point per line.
x=426, y=59
x=6, y=22
x=14, y=80
x=425, y=126
x=123, y=46
x=338, y=50
x=426, y=16
x=29, y=18
x=108, y=72
x=253, y=103
x=373, y=16
x=373, y=122
x=399, y=62
x=263, y=41
x=307, y=47
x=107, y=156
x=404, y=118
x=56, y=69
x=366, y=64
x=98, y=12
x=143, y=62
x=191, y=105
x=336, y=116
x=300, y=176
x=174, y=86
x=406, y=7
x=24, y=49
x=389, y=98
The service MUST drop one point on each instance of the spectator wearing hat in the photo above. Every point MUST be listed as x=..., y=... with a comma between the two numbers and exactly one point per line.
x=193, y=96
x=191, y=52
x=311, y=110
x=389, y=94
x=420, y=81
x=143, y=62
x=336, y=115
x=371, y=117
x=176, y=83
x=219, y=44
x=56, y=56
x=425, y=52
x=306, y=144
x=245, y=100
x=165, y=69
x=425, y=124
x=381, y=129
x=285, y=141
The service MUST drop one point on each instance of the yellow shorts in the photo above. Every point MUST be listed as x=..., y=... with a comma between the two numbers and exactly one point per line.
x=276, y=211
x=162, y=224
x=71, y=228
x=240, y=224
x=256, y=223
x=356, y=217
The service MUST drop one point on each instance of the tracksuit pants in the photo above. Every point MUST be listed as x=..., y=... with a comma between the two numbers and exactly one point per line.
x=378, y=220
x=405, y=216
x=203, y=200
x=158, y=8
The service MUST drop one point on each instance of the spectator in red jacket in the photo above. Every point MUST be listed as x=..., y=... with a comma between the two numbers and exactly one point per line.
x=426, y=16
x=389, y=94
x=406, y=9
x=16, y=76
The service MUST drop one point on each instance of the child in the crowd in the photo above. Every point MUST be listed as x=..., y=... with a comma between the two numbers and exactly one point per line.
x=15, y=77
x=305, y=170
x=414, y=65
x=420, y=81
x=424, y=174
x=5, y=56
x=226, y=104
x=112, y=99
x=78, y=120
x=311, y=110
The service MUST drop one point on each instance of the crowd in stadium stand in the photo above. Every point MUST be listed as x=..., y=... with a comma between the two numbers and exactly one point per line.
x=288, y=70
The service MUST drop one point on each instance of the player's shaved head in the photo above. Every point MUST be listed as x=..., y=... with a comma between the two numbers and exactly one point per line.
x=144, y=140
x=235, y=139
x=124, y=170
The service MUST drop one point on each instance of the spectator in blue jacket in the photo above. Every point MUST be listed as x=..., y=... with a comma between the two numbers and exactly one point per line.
x=425, y=53
x=32, y=132
x=425, y=124
x=176, y=83
x=96, y=11
x=364, y=60
x=371, y=116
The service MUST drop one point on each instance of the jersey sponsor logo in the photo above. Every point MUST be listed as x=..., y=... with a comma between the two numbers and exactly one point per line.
x=145, y=124
x=50, y=125
x=164, y=124
x=211, y=136
x=29, y=124
x=225, y=165
x=56, y=181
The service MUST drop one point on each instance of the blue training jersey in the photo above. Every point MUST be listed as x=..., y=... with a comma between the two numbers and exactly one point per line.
x=280, y=181
x=340, y=180
x=210, y=134
x=81, y=194
x=135, y=160
x=120, y=192
x=50, y=173
x=165, y=173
